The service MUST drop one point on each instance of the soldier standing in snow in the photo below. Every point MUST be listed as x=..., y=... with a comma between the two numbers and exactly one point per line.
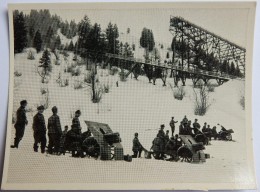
x=62, y=140
x=75, y=120
x=137, y=147
x=167, y=137
x=39, y=129
x=20, y=123
x=54, y=131
x=161, y=136
x=172, y=125
x=181, y=129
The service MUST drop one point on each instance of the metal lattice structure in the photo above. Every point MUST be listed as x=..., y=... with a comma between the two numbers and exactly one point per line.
x=198, y=38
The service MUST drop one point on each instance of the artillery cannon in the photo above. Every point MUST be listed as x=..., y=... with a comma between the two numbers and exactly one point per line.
x=105, y=142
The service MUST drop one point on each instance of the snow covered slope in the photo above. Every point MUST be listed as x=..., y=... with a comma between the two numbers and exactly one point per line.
x=134, y=106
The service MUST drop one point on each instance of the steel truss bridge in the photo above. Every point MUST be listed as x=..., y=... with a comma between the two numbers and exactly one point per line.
x=193, y=36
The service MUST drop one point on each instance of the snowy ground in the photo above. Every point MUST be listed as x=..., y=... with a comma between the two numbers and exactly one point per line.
x=134, y=106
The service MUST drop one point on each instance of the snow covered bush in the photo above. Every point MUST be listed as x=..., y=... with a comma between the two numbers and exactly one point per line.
x=201, y=100
x=70, y=67
x=106, y=87
x=122, y=75
x=96, y=94
x=113, y=70
x=242, y=101
x=87, y=78
x=75, y=71
x=57, y=62
x=17, y=74
x=45, y=100
x=211, y=87
x=179, y=93
x=66, y=82
x=43, y=91
x=30, y=55
x=78, y=85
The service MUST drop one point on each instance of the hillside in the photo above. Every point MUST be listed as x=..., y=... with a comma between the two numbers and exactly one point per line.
x=134, y=106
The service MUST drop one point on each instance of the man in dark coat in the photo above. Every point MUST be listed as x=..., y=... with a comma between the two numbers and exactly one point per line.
x=62, y=140
x=204, y=128
x=185, y=120
x=196, y=126
x=161, y=135
x=181, y=129
x=74, y=141
x=54, y=131
x=137, y=147
x=172, y=125
x=39, y=129
x=75, y=120
x=21, y=122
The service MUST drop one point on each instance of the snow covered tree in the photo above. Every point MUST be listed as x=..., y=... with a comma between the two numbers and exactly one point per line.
x=37, y=41
x=49, y=36
x=57, y=43
x=20, y=32
x=147, y=39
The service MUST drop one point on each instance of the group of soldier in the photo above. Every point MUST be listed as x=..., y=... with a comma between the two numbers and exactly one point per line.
x=56, y=136
x=164, y=144
x=161, y=144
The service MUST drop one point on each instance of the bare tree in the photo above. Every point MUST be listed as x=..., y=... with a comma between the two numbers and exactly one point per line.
x=201, y=100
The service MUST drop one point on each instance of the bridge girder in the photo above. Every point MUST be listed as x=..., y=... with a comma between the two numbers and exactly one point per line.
x=197, y=37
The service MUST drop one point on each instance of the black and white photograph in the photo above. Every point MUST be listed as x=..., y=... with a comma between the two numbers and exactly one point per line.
x=130, y=96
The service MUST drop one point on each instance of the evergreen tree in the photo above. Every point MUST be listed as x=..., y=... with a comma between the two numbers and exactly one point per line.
x=57, y=43
x=71, y=46
x=37, y=41
x=20, y=32
x=112, y=35
x=167, y=55
x=238, y=72
x=84, y=28
x=49, y=36
x=147, y=39
x=232, y=69
x=133, y=47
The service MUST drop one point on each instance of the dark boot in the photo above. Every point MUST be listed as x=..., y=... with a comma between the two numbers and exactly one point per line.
x=35, y=149
x=16, y=143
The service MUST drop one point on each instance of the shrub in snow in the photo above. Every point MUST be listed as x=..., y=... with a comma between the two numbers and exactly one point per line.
x=106, y=87
x=43, y=91
x=113, y=70
x=122, y=75
x=211, y=87
x=199, y=84
x=30, y=55
x=87, y=78
x=17, y=74
x=69, y=68
x=57, y=62
x=201, y=101
x=242, y=101
x=78, y=85
x=66, y=82
x=179, y=93
x=96, y=94
x=45, y=100
x=75, y=71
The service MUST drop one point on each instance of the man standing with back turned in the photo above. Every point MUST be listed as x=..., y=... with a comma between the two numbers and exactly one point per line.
x=20, y=123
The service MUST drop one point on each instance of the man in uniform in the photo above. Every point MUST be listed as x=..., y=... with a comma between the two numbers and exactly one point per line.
x=172, y=125
x=161, y=136
x=204, y=128
x=181, y=129
x=196, y=126
x=21, y=122
x=74, y=141
x=39, y=129
x=75, y=120
x=137, y=147
x=54, y=131
x=185, y=120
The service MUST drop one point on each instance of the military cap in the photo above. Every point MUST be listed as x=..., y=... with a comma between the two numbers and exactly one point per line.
x=41, y=107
